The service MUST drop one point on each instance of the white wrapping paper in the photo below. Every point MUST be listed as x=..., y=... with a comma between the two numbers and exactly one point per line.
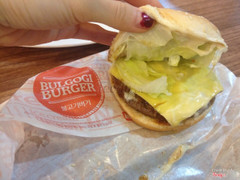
x=208, y=150
x=83, y=106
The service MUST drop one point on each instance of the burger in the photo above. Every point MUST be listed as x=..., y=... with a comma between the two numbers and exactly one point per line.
x=163, y=78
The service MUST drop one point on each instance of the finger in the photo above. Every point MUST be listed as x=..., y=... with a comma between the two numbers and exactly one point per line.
x=139, y=3
x=117, y=14
x=95, y=33
x=13, y=37
x=56, y=14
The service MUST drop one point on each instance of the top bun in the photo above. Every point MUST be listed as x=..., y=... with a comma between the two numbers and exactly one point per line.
x=176, y=21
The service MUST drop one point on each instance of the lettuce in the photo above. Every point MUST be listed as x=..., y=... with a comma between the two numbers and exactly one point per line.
x=156, y=77
x=138, y=76
x=137, y=50
x=163, y=44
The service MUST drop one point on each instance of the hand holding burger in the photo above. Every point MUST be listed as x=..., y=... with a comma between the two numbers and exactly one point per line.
x=40, y=21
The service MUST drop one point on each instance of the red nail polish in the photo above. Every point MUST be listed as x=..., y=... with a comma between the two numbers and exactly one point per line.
x=146, y=22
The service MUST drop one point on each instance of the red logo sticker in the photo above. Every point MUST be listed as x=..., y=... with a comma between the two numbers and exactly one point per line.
x=69, y=91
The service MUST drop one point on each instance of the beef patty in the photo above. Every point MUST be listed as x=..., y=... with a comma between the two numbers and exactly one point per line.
x=136, y=102
x=139, y=104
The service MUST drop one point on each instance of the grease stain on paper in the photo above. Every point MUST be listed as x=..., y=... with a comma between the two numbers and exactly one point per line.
x=175, y=156
x=143, y=177
x=40, y=141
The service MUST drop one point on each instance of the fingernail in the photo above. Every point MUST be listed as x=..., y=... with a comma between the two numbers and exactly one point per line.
x=146, y=21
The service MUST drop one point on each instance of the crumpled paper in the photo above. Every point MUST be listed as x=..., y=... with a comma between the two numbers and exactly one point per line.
x=208, y=150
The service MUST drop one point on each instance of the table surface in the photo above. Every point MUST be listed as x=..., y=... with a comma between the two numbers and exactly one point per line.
x=17, y=64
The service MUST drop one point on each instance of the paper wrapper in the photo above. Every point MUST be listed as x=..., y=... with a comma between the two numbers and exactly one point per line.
x=210, y=149
x=71, y=99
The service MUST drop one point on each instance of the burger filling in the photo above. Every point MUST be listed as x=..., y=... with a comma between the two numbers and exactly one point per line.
x=166, y=73
x=139, y=104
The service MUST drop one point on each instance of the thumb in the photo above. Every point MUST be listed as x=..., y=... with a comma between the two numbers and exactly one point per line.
x=120, y=15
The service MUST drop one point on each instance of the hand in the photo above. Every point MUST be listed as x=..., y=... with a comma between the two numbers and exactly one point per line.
x=39, y=21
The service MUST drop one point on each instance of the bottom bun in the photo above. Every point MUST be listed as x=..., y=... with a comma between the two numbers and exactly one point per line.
x=156, y=125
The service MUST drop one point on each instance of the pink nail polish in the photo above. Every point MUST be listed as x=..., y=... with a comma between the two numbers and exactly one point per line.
x=146, y=21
